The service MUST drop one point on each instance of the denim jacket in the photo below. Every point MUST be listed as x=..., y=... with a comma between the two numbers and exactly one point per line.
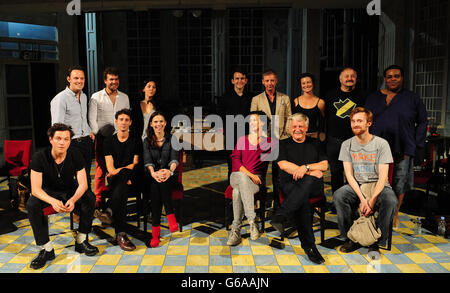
x=160, y=158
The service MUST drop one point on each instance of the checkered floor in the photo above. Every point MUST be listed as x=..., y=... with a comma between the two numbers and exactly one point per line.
x=201, y=248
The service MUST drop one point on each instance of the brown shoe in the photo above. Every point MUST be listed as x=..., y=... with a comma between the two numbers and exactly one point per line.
x=349, y=246
x=103, y=217
x=125, y=243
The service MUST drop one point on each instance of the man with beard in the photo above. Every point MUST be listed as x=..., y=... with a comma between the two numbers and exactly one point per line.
x=338, y=105
x=302, y=163
x=103, y=105
x=366, y=159
x=400, y=117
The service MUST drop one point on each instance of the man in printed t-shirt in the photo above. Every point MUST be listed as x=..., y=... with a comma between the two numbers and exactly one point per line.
x=339, y=103
x=366, y=159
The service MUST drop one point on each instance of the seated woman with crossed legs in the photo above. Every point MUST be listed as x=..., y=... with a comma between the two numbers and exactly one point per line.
x=249, y=167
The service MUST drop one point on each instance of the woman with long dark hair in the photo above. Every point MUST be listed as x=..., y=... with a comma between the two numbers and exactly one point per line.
x=149, y=103
x=161, y=161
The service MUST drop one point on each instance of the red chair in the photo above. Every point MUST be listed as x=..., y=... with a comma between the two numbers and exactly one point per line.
x=177, y=195
x=259, y=196
x=50, y=211
x=17, y=161
x=318, y=204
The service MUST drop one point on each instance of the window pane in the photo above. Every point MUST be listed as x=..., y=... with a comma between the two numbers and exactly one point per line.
x=28, y=31
x=19, y=112
x=17, y=79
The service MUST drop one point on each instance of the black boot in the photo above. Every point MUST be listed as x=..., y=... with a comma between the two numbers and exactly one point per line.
x=42, y=258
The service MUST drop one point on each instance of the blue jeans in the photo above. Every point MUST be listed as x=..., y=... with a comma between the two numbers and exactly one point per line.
x=403, y=177
x=347, y=203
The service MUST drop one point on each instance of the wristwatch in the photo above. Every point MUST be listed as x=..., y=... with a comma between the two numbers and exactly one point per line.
x=307, y=168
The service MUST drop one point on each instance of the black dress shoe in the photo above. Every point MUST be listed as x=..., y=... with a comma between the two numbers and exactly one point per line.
x=349, y=246
x=42, y=258
x=86, y=248
x=314, y=255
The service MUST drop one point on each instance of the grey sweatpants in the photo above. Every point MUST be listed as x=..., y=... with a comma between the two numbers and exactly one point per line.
x=243, y=198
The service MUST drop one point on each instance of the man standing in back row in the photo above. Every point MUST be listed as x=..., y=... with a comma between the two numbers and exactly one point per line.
x=277, y=107
x=339, y=103
x=70, y=107
x=400, y=117
x=103, y=105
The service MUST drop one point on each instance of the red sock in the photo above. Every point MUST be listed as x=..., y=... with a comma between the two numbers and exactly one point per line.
x=173, y=225
x=155, y=236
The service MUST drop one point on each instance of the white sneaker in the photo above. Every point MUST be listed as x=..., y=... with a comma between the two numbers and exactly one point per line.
x=234, y=238
x=254, y=232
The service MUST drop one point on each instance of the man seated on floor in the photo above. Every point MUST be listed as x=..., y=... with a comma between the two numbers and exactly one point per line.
x=302, y=163
x=366, y=159
x=121, y=156
x=58, y=179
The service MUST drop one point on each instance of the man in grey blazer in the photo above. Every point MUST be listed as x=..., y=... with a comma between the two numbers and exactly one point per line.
x=277, y=107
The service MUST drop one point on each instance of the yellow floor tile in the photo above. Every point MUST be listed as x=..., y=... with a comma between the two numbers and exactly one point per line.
x=420, y=258
x=408, y=224
x=220, y=233
x=199, y=241
x=360, y=268
x=29, y=270
x=399, y=240
x=126, y=269
x=177, y=250
x=14, y=248
x=242, y=260
x=334, y=259
x=262, y=250
x=65, y=259
x=153, y=260
x=435, y=239
x=316, y=269
x=330, y=233
x=221, y=269
x=298, y=250
x=197, y=260
x=394, y=250
x=219, y=250
x=80, y=269
x=287, y=260
x=268, y=269
x=184, y=234
x=7, y=239
x=28, y=233
x=1, y=264
x=106, y=259
x=140, y=250
x=446, y=265
x=172, y=269
x=428, y=247
x=24, y=258
x=410, y=268
x=101, y=248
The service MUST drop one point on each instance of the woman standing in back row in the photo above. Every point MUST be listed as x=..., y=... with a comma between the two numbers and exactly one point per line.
x=310, y=105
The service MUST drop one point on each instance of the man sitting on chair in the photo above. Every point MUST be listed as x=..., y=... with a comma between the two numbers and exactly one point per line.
x=366, y=159
x=302, y=163
x=58, y=178
x=121, y=156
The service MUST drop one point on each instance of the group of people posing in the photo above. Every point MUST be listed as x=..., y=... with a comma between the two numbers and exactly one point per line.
x=310, y=133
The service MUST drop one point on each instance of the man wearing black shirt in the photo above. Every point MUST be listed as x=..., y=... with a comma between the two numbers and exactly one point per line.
x=302, y=163
x=339, y=103
x=235, y=102
x=58, y=178
x=121, y=156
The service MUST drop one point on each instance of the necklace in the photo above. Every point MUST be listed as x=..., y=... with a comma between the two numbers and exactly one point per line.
x=162, y=139
x=59, y=170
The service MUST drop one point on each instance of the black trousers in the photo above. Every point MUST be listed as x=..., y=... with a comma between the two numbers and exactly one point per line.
x=85, y=207
x=119, y=197
x=296, y=206
x=86, y=147
x=333, y=148
x=161, y=193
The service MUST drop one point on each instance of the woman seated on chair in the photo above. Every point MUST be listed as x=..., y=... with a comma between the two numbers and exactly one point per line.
x=161, y=161
x=250, y=159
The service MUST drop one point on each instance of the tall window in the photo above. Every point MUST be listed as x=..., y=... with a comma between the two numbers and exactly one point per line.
x=246, y=39
x=430, y=56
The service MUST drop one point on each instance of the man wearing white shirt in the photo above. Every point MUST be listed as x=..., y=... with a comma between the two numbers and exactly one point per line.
x=103, y=105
